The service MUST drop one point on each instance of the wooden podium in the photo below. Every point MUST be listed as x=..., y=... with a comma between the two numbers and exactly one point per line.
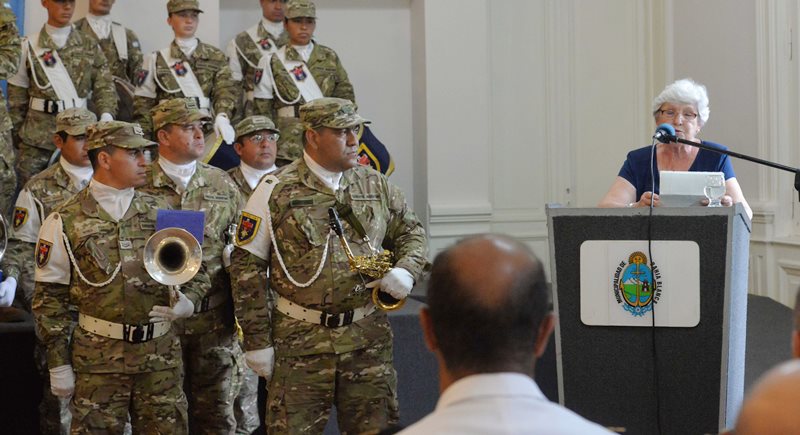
x=690, y=379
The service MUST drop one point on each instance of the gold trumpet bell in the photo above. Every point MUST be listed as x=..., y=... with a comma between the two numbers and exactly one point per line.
x=3, y=236
x=172, y=256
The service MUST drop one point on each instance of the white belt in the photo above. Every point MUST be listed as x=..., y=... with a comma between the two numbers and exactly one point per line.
x=288, y=112
x=211, y=302
x=298, y=312
x=121, y=331
x=251, y=95
x=55, y=106
x=202, y=102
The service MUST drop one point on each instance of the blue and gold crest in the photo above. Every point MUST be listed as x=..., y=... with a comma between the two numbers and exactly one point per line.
x=265, y=44
x=248, y=227
x=49, y=58
x=299, y=73
x=180, y=68
x=635, y=289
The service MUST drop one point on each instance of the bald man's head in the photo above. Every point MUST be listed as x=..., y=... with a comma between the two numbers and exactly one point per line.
x=487, y=296
x=771, y=408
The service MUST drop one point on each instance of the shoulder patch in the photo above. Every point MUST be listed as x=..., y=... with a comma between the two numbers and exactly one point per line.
x=248, y=227
x=43, y=249
x=20, y=217
x=141, y=76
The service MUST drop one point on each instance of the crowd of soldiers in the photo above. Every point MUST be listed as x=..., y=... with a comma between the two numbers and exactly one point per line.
x=99, y=139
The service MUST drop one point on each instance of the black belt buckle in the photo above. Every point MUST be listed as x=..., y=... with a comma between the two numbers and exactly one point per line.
x=336, y=320
x=138, y=333
x=204, y=304
x=51, y=107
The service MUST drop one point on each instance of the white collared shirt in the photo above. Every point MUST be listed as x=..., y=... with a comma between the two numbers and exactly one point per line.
x=500, y=403
x=274, y=29
x=78, y=175
x=100, y=24
x=180, y=174
x=59, y=35
x=187, y=45
x=304, y=50
x=330, y=179
x=114, y=201
x=253, y=175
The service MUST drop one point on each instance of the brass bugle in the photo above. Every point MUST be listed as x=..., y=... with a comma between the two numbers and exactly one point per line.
x=172, y=256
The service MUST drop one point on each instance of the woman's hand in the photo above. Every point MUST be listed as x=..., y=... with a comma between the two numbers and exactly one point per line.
x=726, y=201
x=647, y=198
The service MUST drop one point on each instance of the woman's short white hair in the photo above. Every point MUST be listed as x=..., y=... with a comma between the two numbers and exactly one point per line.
x=685, y=91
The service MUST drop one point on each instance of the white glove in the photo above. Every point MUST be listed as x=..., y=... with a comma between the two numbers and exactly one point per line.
x=222, y=127
x=397, y=283
x=62, y=381
x=227, y=251
x=182, y=309
x=261, y=361
x=8, y=288
x=105, y=116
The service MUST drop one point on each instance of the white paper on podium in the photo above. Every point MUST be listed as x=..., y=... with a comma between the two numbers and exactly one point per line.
x=683, y=188
x=616, y=283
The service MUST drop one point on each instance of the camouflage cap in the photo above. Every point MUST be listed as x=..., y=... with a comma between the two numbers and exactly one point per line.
x=117, y=133
x=330, y=112
x=177, y=111
x=253, y=124
x=74, y=121
x=183, y=5
x=300, y=8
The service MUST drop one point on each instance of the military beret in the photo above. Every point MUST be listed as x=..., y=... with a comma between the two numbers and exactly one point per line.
x=117, y=133
x=183, y=5
x=254, y=123
x=300, y=8
x=330, y=112
x=177, y=111
x=74, y=121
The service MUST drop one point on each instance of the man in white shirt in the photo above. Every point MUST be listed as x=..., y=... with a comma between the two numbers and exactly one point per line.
x=487, y=321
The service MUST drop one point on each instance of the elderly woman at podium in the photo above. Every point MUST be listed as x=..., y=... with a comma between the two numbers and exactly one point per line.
x=684, y=105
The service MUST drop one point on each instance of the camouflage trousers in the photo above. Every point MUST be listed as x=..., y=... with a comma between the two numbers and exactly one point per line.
x=54, y=413
x=8, y=177
x=155, y=401
x=290, y=142
x=245, y=406
x=30, y=161
x=210, y=374
x=362, y=384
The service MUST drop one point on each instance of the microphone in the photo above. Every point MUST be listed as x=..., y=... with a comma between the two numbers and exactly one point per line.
x=665, y=133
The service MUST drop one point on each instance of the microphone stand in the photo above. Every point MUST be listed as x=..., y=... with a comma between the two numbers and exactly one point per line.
x=666, y=138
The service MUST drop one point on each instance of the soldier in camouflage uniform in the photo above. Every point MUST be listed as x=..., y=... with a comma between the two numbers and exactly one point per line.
x=9, y=62
x=188, y=68
x=293, y=67
x=329, y=343
x=122, y=49
x=60, y=68
x=37, y=199
x=210, y=347
x=124, y=355
x=250, y=53
x=256, y=143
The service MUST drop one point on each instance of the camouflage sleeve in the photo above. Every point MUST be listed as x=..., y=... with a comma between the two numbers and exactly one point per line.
x=141, y=114
x=405, y=235
x=10, y=49
x=52, y=319
x=135, y=56
x=227, y=92
x=104, y=95
x=17, y=109
x=251, y=298
x=343, y=89
x=284, y=85
x=17, y=252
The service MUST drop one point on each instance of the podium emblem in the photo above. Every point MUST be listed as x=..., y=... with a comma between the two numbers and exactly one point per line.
x=637, y=290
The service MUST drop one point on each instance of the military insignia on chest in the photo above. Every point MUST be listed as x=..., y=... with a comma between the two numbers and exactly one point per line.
x=248, y=227
x=141, y=76
x=49, y=58
x=265, y=44
x=180, y=68
x=43, y=249
x=299, y=73
x=259, y=72
x=20, y=217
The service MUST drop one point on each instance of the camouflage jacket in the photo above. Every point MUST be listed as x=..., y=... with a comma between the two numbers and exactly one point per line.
x=326, y=68
x=209, y=65
x=238, y=178
x=10, y=48
x=299, y=209
x=126, y=69
x=249, y=53
x=211, y=191
x=99, y=244
x=41, y=194
x=88, y=69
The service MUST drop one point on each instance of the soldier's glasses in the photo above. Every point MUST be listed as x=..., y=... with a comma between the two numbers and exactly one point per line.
x=261, y=138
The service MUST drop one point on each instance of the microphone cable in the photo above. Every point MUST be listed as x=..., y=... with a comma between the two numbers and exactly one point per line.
x=656, y=383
